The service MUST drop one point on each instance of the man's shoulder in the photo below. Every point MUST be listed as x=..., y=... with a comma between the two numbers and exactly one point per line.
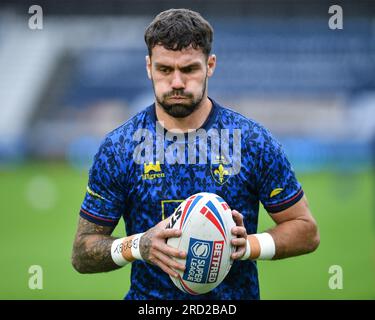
x=125, y=131
x=234, y=119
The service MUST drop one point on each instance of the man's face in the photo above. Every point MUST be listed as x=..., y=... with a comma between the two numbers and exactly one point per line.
x=179, y=78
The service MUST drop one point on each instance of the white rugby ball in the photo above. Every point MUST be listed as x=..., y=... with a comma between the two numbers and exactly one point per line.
x=206, y=222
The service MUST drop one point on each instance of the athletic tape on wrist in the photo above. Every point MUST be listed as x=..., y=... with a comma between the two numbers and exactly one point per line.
x=248, y=251
x=135, y=246
x=116, y=252
x=267, y=246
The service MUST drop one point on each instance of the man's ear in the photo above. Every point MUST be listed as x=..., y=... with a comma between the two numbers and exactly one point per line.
x=148, y=66
x=211, y=64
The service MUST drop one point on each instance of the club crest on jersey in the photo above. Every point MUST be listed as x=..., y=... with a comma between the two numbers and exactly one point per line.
x=203, y=261
x=221, y=170
x=152, y=171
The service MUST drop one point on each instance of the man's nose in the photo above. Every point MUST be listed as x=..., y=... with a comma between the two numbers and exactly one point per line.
x=177, y=81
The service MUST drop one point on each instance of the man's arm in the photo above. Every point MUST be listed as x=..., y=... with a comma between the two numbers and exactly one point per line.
x=92, y=248
x=296, y=231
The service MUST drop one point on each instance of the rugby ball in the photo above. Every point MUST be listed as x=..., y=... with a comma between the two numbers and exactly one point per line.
x=206, y=222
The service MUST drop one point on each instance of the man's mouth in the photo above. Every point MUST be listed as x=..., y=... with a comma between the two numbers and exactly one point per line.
x=177, y=97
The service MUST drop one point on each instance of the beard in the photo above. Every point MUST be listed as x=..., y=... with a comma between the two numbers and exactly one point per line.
x=184, y=108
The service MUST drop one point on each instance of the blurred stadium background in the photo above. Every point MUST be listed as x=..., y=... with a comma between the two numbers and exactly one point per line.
x=64, y=87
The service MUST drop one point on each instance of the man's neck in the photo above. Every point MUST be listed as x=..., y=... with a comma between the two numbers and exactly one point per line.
x=191, y=122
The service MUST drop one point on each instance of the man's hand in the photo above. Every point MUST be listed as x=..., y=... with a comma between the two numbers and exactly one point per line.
x=154, y=249
x=239, y=231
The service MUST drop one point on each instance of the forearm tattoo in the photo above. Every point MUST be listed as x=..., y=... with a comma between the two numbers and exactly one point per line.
x=92, y=248
x=145, y=244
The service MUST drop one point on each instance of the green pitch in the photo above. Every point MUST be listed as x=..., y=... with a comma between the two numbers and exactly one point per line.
x=39, y=211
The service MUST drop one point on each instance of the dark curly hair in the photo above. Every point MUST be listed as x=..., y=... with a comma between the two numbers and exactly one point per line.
x=176, y=29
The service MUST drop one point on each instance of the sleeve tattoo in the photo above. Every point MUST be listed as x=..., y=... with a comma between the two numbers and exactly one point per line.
x=92, y=248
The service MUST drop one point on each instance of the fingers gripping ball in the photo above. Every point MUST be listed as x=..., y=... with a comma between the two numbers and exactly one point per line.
x=206, y=222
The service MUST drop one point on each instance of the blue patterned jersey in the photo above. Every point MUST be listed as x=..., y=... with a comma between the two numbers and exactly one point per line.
x=145, y=193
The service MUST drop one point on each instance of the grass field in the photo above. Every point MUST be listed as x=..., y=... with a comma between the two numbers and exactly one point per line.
x=39, y=209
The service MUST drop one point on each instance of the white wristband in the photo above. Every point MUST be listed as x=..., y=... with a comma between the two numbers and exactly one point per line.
x=135, y=246
x=248, y=251
x=116, y=252
x=267, y=246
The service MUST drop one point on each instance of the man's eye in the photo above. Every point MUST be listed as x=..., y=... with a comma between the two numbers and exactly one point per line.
x=164, y=70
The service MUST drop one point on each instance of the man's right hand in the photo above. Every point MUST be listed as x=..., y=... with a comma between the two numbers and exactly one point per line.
x=154, y=248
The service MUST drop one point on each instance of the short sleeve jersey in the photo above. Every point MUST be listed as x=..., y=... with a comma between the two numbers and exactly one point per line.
x=143, y=193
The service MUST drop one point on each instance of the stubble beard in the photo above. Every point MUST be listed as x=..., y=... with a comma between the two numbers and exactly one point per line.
x=187, y=106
